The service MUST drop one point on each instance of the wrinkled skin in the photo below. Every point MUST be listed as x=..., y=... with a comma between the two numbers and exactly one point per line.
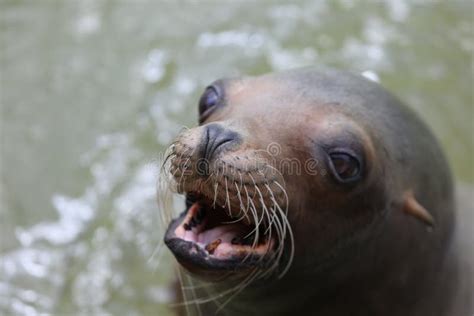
x=360, y=249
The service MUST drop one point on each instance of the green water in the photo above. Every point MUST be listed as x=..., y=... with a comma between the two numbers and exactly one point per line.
x=92, y=91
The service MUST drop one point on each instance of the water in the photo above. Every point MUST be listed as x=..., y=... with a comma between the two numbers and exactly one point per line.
x=92, y=91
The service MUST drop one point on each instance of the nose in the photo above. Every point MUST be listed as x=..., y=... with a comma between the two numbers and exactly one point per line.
x=217, y=139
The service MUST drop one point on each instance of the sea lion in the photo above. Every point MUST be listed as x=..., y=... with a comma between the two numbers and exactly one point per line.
x=315, y=192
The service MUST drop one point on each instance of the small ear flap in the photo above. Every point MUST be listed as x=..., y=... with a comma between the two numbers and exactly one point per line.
x=413, y=208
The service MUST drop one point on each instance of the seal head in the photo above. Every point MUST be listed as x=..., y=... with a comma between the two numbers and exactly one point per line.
x=315, y=176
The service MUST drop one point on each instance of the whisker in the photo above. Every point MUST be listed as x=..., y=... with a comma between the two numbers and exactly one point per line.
x=227, y=199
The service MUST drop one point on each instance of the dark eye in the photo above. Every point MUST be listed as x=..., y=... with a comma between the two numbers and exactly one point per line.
x=208, y=101
x=345, y=167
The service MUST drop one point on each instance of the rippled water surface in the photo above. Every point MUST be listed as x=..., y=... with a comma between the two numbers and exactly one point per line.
x=93, y=91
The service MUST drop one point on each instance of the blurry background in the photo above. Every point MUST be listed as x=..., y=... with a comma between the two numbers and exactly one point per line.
x=93, y=91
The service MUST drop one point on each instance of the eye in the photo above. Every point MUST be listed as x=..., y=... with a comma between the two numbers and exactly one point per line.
x=208, y=101
x=346, y=167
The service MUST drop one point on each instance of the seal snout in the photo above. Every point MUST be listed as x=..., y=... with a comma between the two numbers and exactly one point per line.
x=235, y=216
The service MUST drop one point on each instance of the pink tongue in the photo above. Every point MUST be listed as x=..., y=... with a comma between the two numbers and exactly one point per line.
x=224, y=232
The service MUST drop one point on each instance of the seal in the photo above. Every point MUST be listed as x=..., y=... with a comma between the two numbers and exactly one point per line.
x=315, y=192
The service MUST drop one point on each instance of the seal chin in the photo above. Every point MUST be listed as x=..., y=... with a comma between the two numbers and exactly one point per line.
x=207, y=240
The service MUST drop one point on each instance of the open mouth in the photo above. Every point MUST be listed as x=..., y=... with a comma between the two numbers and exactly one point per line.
x=208, y=237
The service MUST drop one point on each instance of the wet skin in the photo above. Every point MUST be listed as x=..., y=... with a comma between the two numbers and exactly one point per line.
x=372, y=230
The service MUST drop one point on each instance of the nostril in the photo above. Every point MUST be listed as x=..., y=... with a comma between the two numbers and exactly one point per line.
x=216, y=139
x=221, y=141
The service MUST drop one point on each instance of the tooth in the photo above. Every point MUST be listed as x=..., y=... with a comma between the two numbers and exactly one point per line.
x=211, y=247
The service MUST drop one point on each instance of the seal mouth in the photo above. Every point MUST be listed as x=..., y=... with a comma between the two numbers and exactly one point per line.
x=207, y=237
